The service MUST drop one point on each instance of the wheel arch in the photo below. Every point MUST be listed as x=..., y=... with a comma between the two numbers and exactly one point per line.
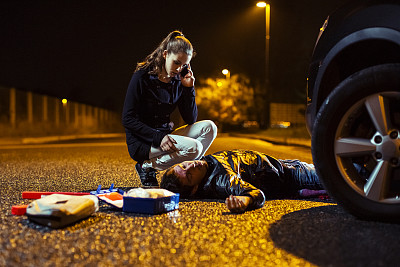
x=359, y=50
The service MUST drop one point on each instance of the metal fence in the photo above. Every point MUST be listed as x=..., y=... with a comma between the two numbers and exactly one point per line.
x=26, y=113
x=285, y=115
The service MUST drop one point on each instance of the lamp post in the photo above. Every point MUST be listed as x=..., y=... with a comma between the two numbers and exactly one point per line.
x=227, y=73
x=66, y=110
x=267, y=38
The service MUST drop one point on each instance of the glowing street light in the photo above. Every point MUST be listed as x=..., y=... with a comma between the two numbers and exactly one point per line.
x=227, y=73
x=261, y=4
x=64, y=101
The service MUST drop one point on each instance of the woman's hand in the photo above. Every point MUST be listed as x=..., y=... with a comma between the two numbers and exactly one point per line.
x=188, y=80
x=168, y=144
x=237, y=204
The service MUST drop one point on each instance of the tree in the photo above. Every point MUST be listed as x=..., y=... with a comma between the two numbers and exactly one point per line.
x=228, y=102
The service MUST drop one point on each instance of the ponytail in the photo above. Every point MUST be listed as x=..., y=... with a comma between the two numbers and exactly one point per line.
x=175, y=42
x=174, y=34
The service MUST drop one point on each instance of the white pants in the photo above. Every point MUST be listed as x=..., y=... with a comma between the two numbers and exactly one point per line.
x=192, y=142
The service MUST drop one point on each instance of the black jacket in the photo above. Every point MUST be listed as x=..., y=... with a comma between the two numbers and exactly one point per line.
x=261, y=176
x=147, y=109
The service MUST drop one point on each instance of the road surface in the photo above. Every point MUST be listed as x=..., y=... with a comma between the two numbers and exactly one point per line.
x=296, y=232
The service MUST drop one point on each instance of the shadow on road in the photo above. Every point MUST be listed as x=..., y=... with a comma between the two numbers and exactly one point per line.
x=328, y=236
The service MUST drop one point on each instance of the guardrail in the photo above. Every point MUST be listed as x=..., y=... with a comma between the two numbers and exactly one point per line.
x=27, y=113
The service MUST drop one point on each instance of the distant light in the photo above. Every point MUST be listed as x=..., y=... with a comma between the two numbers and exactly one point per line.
x=261, y=4
x=281, y=124
x=225, y=71
x=64, y=101
x=219, y=84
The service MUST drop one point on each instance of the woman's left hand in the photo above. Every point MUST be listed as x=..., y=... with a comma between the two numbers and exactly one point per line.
x=188, y=80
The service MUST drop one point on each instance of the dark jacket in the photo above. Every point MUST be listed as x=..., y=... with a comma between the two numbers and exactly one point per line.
x=147, y=109
x=261, y=176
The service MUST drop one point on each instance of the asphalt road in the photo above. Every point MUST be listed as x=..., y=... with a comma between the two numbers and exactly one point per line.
x=296, y=232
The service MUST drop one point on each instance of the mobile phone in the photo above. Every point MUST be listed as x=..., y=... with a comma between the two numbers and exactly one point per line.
x=184, y=71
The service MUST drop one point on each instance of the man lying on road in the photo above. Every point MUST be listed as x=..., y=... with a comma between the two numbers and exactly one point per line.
x=243, y=178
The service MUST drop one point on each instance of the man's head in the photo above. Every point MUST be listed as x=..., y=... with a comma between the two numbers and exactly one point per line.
x=184, y=177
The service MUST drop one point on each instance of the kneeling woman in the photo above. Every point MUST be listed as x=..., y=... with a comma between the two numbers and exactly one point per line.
x=157, y=87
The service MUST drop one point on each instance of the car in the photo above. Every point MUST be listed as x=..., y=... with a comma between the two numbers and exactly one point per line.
x=353, y=108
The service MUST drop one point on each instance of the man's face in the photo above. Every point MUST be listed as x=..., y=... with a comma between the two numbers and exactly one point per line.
x=175, y=62
x=191, y=173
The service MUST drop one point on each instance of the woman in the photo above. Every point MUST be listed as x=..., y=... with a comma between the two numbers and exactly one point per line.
x=157, y=87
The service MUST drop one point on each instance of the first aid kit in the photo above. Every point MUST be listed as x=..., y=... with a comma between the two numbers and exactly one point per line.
x=139, y=200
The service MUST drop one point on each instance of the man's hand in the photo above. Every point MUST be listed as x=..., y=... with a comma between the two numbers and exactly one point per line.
x=237, y=204
x=167, y=144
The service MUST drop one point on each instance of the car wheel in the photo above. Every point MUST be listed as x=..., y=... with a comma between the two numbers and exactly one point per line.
x=356, y=143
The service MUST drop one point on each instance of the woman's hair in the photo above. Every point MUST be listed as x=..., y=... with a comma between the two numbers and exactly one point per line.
x=175, y=42
x=172, y=183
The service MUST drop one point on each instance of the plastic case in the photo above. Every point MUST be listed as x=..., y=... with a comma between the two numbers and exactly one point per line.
x=151, y=205
x=138, y=204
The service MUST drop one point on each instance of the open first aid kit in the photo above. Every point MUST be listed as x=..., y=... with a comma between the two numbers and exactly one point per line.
x=139, y=200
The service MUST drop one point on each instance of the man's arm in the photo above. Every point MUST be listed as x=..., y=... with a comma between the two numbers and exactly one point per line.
x=224, y=181
x=243, y=196
x=238, y=204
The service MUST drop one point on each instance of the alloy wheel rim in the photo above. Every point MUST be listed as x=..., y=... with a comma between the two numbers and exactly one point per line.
x=367, y=147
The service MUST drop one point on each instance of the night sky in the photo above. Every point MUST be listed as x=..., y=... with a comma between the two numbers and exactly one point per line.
x=86, y=51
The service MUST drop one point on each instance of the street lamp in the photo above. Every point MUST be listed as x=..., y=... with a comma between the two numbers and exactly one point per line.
x=227, y=73
x=66, y=110
x=266, y=119
x=267, y=36
x=261, y=4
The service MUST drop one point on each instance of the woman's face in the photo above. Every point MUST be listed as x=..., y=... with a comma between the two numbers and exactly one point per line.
x=175, y=62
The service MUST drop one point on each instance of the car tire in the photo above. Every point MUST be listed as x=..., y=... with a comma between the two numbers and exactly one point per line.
x=356, y=143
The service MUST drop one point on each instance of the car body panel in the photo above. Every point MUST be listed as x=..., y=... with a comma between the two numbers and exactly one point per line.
x=358, y=35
